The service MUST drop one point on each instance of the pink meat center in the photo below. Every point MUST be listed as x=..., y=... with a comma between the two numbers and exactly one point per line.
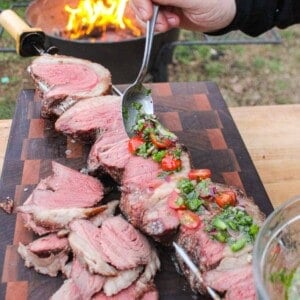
x=78, y=76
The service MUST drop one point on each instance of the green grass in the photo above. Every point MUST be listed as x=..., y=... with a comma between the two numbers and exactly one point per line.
x=7, y=109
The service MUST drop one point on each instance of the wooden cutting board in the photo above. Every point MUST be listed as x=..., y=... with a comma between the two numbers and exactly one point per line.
x=196, y=112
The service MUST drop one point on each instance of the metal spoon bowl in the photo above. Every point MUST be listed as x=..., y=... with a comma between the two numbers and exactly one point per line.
x=137, y=92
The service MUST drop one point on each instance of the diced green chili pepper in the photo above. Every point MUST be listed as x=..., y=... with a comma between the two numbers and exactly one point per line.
x=219, y=224
x=238, y=245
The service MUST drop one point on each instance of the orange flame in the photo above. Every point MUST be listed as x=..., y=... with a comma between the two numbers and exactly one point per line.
x=94, y=15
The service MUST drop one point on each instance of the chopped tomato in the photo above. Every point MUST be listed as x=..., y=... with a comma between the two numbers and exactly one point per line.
x=160, y=143
x=199, y=174
x=226, y=198
x=170, y=163
x=134, y=143
x=188, y=219
x=174, y=201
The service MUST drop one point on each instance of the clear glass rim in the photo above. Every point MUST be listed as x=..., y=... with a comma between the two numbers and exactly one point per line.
x=257, y=265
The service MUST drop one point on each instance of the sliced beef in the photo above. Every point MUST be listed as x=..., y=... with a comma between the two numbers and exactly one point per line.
x=59, y=198
x=123, y=246
x=227, y=272
x=113, y=285
x=130, y=294
x=68, y=291
x=66, y=188
x=110, y=153
x=90, y=117
x=237, y=281
x=62, y=81
x=43, y=257
x=80, y=284
x=48, y=244
x=53, y=220
x=145, y=196
x=84, y=241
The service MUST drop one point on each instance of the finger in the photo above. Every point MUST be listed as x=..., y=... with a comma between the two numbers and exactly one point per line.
x=143, y=9
x=171, y=18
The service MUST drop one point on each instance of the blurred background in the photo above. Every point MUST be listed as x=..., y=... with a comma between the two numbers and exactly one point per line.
x=258, y=72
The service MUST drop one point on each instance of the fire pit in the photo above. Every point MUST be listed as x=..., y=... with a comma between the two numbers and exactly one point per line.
x=118, y=45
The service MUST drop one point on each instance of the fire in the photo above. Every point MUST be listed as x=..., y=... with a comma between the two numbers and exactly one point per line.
x=95, y=17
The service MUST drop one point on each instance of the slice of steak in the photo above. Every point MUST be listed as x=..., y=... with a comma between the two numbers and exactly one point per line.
x=63, y=80
x=141, y=173
x=90, y=117
x=110, y=153
x=53, y=220
x=224, y=270
x=48, y=244
x=84, y=241
x=81, y=284
x=237, y=282
x=66, y=188
x=88, y=284
x=48, y=265
x=146, y=278
x=113, y=285
x=144, y=199
x=130, y=294
x=68, y=291
x=66, y=191
x=122, y=245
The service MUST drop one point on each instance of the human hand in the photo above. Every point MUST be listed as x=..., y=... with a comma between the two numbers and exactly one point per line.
x=200, y=15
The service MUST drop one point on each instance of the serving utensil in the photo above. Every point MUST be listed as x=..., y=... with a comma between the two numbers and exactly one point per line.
x=180, y=251
x=137, y=93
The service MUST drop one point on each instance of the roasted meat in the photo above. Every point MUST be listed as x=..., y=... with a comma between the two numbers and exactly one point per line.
x=62, y=81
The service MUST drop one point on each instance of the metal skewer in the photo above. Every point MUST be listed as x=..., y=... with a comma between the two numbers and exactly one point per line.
x=180, y=251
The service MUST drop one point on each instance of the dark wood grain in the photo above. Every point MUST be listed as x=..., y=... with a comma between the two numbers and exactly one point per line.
x=196, y=112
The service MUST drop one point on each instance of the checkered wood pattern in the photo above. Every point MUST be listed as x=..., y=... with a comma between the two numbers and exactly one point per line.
x=196, y=112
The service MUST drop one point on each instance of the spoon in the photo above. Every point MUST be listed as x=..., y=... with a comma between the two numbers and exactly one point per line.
x=137, y=93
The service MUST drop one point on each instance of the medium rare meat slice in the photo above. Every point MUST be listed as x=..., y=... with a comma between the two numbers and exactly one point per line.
x=226, y=270
x=130, y=294
x=113, y=285
x=62, y=81
x=144, y=199
x=122, y=245
x=84, y=241
x=52, y=220
x=110, y=153
x=48, y=244
x=80, y=284
x=237, y=282
x=47, y=255
x=59, y=198
x=68, y=291
x=66, y=188
x=88, y=284
x=90, y=117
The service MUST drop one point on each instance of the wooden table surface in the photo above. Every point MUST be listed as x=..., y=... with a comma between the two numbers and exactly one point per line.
x=271, y=135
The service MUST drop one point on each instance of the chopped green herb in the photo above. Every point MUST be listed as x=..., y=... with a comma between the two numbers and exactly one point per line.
x=194, y=203
x=238, y=245
x=233, y=218
x=185, y=186
x=159, y=155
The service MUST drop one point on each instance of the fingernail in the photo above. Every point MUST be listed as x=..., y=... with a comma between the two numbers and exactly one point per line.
x=172, y=21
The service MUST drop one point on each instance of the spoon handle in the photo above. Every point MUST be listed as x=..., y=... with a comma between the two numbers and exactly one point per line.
x=148, y=45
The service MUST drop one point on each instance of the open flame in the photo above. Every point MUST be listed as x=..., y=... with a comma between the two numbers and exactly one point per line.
x=94, y=17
